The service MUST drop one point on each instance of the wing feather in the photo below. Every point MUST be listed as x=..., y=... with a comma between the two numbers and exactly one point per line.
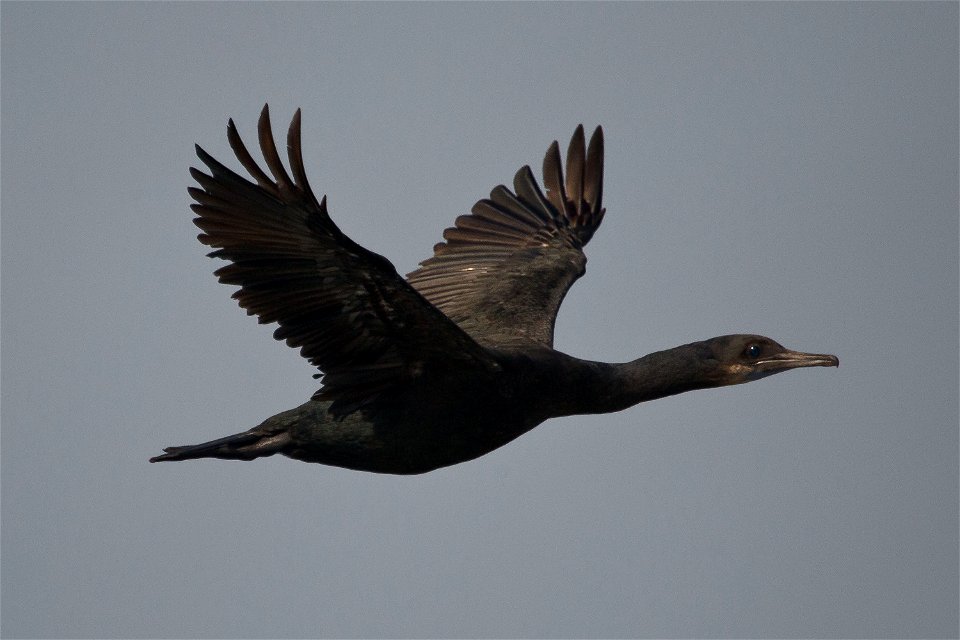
x=343, y=306
x=553, y=177
x=575, y=162
x=503, y=270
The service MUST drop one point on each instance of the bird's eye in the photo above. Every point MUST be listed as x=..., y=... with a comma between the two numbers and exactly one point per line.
x=752, y=351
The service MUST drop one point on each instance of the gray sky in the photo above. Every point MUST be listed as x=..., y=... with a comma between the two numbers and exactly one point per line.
x=785, y=169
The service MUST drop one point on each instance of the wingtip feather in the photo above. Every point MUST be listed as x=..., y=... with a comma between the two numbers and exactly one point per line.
x=593, y=173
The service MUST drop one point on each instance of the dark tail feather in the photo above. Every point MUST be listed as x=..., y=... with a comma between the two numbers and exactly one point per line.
x=241, y=446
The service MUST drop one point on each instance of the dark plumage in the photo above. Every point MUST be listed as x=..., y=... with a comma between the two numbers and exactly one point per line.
x=457, y=359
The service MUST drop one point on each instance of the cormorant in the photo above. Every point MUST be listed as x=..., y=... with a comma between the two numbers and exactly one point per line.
x=457, y=359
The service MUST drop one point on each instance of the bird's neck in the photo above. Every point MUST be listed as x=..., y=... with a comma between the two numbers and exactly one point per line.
x=656, y=375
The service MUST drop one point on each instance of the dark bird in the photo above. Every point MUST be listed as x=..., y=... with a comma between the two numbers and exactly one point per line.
x=457, y=359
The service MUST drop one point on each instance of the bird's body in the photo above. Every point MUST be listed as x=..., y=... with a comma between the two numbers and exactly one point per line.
x=456, y=360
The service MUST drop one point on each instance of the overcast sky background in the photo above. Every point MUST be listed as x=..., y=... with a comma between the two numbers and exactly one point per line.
x=785, y=169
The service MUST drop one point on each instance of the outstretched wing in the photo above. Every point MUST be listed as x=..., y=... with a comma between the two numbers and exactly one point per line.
x=345, y=307
x=505, y=268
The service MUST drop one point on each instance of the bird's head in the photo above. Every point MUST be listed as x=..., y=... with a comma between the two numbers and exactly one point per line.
x=736, y=359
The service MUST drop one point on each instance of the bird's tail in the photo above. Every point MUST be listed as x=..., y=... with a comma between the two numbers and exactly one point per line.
x=248, y=445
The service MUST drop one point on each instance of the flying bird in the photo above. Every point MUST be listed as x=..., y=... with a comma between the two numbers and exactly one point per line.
x=457, y=359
